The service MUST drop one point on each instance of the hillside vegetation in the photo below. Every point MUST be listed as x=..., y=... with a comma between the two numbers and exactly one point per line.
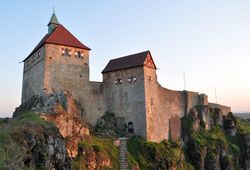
x=34, y=143
x=28, y=142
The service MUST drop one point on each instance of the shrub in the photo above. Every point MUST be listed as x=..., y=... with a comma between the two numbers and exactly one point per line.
x=151, y=155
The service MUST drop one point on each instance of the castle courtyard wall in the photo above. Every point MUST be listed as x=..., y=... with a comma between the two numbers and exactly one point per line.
x=165, y=108
x=93, y=100
x=172, y=103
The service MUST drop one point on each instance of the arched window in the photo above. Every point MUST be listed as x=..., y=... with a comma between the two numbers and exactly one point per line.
x=130, y=127
x=78, y=54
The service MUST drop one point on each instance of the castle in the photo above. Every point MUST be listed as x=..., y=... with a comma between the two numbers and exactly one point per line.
x=129, y=88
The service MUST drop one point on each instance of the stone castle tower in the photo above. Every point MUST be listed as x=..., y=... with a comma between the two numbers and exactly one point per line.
x=59, y=61
x=129, y=89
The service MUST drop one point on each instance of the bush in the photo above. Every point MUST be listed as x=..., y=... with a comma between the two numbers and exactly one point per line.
x=103, y=147
x=151, y=155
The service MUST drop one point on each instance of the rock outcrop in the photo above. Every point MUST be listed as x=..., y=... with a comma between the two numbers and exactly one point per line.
x=61, y=109
x=31, y=143
x=56, y=137
x=92, y=159
x=246, y=151
x=214, y=142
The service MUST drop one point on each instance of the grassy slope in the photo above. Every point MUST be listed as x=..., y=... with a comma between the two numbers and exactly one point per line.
x=151, y=155
x=10, y=149
x=148, y=155
x=103, y=148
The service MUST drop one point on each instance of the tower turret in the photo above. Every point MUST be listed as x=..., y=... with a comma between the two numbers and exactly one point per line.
x=53, y=23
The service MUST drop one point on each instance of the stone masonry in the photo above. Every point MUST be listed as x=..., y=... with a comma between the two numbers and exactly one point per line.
x=60, y=62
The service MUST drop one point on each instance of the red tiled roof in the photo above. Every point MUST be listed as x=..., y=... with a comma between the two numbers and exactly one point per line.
x=60, y=36
x=130, y=61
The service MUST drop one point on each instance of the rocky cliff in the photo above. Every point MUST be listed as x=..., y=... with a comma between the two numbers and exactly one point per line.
x=54, y=136
x=29, y=142
x=224, y=145
x=62, y=110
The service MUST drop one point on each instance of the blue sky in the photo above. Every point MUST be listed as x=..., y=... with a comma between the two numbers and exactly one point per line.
x=208, y=40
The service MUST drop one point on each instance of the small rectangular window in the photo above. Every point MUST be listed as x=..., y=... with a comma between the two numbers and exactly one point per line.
x=118, y=81
x=132, y=79
x=78, y=54
x=67, y=52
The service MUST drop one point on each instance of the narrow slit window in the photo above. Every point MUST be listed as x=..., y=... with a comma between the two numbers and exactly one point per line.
x=78, y=54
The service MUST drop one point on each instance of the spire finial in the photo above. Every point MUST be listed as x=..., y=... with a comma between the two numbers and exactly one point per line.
x=53, y=9
x=53, y=23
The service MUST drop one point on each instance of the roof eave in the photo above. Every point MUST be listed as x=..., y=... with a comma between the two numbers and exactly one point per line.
x=33, y=52
x=121, y=69
x=87, y=48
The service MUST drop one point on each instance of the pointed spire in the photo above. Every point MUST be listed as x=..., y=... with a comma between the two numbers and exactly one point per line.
x=53, y=23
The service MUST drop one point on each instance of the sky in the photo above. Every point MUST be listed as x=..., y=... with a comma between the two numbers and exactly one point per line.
x=207, y=40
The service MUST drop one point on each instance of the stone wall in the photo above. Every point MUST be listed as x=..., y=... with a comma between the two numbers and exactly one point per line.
x=125, y=96
x=192, y=99
x=94, y=102
x=155, y=111
x=165, y=108
x=53, y=71
x=72, y=73
x=157, y=120
x=66, y=72
x=33, y=73
x=134, y=94
x=173, y=106
x=224, y=109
